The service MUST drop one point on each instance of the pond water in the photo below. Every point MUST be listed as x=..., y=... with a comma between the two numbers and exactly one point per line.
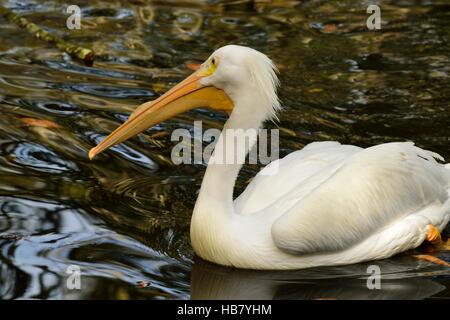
x=124, y=217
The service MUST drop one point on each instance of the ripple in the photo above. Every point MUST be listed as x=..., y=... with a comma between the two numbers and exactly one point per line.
x=56, y=107
x=97, y=72
x=110, y=91
x=37, y=157
x=125, y=216
x=77, y=238
x=128, y=153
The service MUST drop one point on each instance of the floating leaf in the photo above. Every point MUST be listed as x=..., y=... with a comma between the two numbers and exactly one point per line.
x=143, y=284
x=159, y=134
x=433, y=259
x=192, y=65
x=329, y=28
x=34, y=122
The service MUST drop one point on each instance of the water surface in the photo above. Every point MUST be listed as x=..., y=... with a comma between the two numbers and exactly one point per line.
x=124, y=217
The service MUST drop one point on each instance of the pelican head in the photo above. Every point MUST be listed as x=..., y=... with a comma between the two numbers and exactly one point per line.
x=238, y=80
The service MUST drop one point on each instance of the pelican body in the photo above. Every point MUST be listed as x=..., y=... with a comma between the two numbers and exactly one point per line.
x=328, y=204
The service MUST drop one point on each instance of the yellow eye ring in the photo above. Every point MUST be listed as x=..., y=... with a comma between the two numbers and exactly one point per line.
x=209, y=68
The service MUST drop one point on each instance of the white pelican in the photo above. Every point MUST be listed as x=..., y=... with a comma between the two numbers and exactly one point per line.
x=329, y=204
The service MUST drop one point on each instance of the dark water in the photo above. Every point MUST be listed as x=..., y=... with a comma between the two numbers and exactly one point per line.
x=124, y=217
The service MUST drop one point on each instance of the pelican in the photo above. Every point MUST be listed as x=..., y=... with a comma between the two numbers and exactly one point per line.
x=327, y=204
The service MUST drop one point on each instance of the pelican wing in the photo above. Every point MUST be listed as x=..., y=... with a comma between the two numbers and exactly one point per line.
x=358, y=196
x=282, y=176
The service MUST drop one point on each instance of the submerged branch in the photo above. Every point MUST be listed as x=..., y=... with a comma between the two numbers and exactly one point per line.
x=80, y=53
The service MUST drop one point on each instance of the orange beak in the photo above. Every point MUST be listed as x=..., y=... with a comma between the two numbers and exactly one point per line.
x=187, y=95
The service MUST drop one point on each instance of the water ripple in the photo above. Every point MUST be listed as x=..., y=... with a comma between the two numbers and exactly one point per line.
x=37, y=157
x=124, y=217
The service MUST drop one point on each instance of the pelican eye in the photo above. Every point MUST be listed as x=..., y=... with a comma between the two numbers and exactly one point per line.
x=209, y=67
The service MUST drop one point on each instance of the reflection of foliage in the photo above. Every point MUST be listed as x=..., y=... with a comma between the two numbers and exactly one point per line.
x=83, y=54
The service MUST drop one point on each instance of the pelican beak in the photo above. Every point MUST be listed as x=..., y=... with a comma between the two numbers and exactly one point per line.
x=187, y=95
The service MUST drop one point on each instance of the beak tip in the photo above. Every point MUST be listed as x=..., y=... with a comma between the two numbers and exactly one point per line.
x=92, y=153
